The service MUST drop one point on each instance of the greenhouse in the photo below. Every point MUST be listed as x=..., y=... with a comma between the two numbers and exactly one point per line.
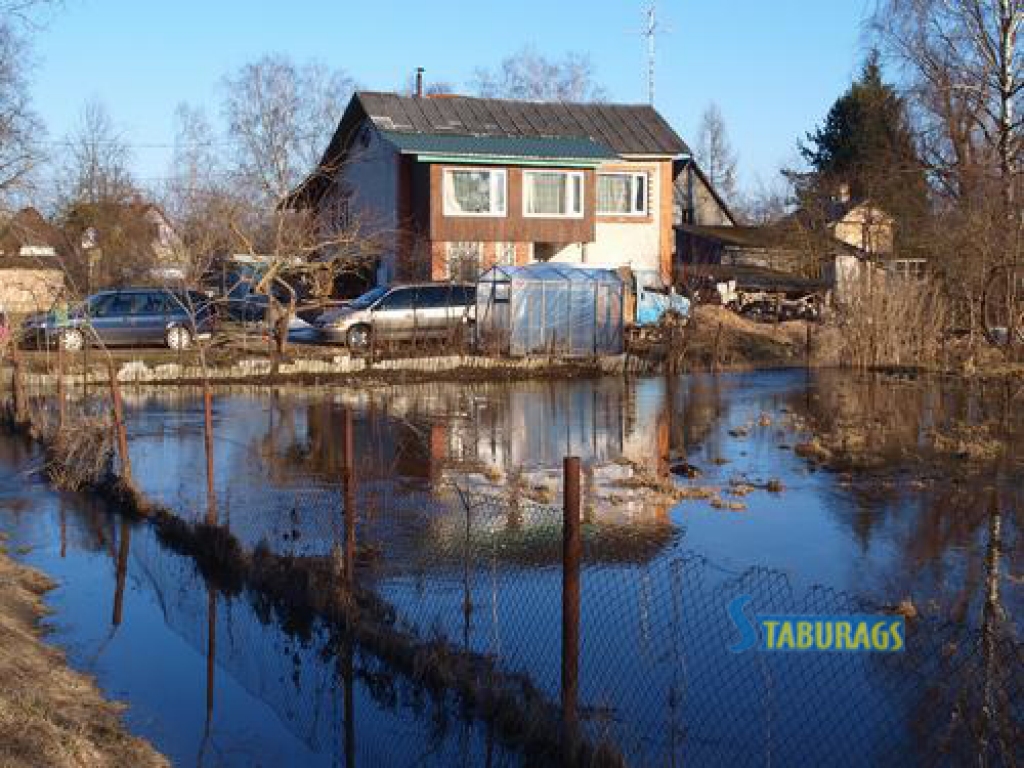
x=550, y=308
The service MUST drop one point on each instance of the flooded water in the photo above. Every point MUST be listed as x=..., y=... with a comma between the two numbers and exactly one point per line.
x=916, y=495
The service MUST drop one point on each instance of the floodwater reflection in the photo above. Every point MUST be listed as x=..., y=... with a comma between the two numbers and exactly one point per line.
x=886, y=494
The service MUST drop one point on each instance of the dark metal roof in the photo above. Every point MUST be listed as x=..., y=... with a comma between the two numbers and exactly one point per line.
x=558, y=147
x=783, y=235
x=756, y=278
x=626, y=129
x=742, y=237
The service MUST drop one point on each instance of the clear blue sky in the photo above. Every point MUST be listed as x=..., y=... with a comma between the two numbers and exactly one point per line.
x=773, y=66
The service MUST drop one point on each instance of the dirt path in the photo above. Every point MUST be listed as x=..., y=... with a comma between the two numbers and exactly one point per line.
x=50, y=715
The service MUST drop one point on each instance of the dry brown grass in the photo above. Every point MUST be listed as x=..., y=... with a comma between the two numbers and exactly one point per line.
x=720, y=337
x=51, y=716
x=894, y=323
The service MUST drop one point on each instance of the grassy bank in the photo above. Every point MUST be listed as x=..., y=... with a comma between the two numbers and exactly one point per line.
x=50, y=715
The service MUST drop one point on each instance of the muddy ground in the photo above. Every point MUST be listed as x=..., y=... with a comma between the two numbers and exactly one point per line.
x=50, y=715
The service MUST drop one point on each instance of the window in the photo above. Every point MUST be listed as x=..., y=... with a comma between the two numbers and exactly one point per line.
x=505, y=254
x=911, y=269
x=553, y=193
x=368, y=298
x=156, y=303
x=623, y=194
x=474, y=192
x=400, y=298
x=99, y=306
x=432, y=297
x=463, y=261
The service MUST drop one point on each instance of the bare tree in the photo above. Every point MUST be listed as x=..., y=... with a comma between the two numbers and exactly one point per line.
x=277, y=115
x=966, y=75
x=715, y=153
x=767, y=202
x=20, y=127
x=529, y=76
x=97, y=166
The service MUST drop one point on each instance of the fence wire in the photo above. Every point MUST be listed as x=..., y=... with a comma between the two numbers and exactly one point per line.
x=656, y=676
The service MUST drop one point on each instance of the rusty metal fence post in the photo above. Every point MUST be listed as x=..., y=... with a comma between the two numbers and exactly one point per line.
x=571, y=556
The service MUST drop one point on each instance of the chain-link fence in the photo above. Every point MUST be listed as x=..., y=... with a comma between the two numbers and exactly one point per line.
x=480, y=576
x=462, y=596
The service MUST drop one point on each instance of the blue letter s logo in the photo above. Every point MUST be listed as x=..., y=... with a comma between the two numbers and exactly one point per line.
x=748, y=635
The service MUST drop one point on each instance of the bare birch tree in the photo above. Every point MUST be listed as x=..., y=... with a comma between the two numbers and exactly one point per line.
x=279, y=116
x=715, y=153
x=964, y=66
x=529, y=76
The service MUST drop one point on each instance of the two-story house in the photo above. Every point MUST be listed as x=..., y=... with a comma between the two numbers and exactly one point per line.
x=452, y=184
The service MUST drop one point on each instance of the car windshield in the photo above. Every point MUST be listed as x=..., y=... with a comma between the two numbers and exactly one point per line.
x=368, y=298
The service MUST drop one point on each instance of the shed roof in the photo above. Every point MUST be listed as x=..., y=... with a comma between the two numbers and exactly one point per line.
x=515, y=147
x=550, y=272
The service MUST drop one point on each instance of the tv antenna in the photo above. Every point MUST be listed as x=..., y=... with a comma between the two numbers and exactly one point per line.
x=652, y=28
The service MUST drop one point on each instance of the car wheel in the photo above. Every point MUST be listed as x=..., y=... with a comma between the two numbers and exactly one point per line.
x=358, y=337
x=72, y=340
x=178, y=337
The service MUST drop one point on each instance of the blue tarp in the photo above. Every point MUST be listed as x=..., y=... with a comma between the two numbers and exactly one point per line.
x=651, y=306
x=550, y=308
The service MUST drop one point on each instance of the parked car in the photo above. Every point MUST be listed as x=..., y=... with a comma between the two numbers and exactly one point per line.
x=124, y=317
x=401, y=313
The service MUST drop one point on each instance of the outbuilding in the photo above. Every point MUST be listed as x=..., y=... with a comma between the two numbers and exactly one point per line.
x=551, y=309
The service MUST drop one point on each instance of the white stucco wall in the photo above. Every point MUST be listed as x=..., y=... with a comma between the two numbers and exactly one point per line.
x=635, y=243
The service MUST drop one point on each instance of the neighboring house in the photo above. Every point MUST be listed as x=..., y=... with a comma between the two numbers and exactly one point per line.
x=29, y=284
x=31, y=274
x=696, y=200
x=843, y=244
x=454, y=185
x=860, y=223
x=129, y=238
x=27, y=233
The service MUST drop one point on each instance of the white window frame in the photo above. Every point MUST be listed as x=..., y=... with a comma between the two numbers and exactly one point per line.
x=496, y=174
x=634, y=175
x=570, y=213
x=503, y=250
x=451, y=251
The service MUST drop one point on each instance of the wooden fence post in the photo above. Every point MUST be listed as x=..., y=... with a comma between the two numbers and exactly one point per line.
x=715, y=353
x=123, y=548
x=18, y=388
x=571, y=556
x=349, y=495
x=61, y=405
x=119, y=428
x=211, y=493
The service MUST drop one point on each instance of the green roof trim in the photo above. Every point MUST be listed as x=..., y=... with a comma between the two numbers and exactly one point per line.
x=504, y=150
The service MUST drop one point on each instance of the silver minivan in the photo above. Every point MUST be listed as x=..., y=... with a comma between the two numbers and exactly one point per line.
x=401, y=313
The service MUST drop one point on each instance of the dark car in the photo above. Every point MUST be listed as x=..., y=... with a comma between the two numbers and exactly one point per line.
x=401, y=313
x=125, y=317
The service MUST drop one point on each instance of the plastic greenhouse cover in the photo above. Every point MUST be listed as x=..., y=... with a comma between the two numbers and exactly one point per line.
x=549, y=309
x=549, y=272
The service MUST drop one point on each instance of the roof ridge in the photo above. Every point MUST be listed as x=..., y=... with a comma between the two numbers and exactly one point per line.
x=473, y=97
